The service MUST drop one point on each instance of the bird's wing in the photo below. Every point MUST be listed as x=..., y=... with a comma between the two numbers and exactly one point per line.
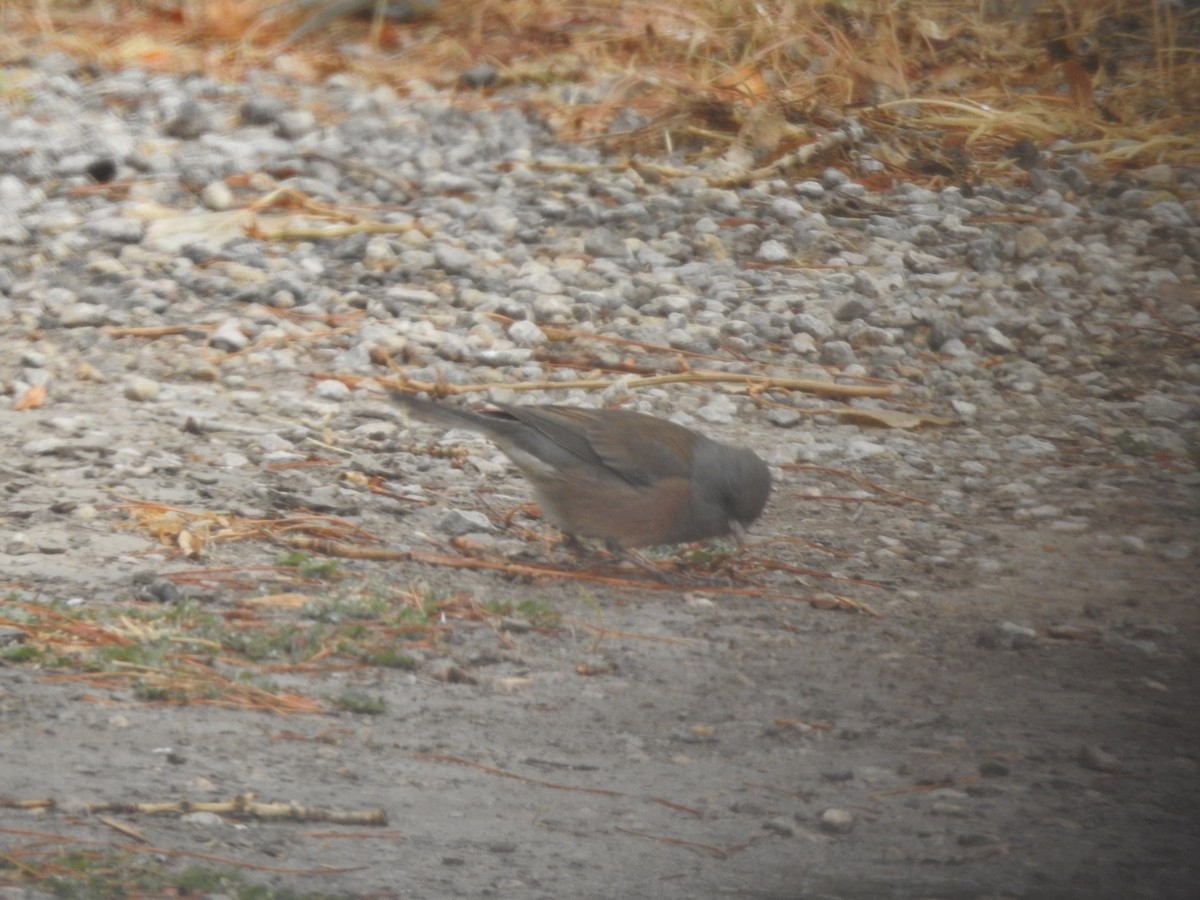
x=565, y=426
x=637, y=448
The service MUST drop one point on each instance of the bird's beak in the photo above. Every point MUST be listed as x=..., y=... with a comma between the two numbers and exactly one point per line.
x=738, y=530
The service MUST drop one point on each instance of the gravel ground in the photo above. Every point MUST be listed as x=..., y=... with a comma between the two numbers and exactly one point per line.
x=1018, y=721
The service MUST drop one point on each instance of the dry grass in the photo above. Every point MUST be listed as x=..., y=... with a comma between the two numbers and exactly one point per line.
x=946, y=88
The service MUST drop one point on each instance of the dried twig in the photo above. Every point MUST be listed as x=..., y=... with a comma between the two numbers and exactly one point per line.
x=243, y=806
x=854, y=476
x=553, y=785
x=693, y=376
x=719, y=852
x=504, y=773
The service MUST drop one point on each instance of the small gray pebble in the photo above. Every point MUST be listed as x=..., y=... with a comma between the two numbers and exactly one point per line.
x=481, y=76
x=784, y=418
x=261, y=110
x=140, y=388
x=229, y=336
x=995, y=341
x=524, y=333
x=773, y=251
x=837, y=353
x=331, y=389
x=854, y=308
x=837, y=821
x=190, y=121
x=82, y=315
x=457, y=522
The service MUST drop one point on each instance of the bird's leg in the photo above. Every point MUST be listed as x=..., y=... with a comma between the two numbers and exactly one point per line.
x=577, y=548
x=632, y=556
x=626, y=554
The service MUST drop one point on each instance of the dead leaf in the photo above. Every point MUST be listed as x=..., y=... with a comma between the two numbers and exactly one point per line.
x=870, y=73
x=192, y=541
x=85, y=371
x=1100, y=761
x=745, y=80
x=1079, y=82
x=949, y=77
x=589, y=670
x=33, y=398
x=930, y=30
x=890, y=418
x=512, y=683
x=278, y=601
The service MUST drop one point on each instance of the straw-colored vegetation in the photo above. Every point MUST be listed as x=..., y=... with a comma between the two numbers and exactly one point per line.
x=947, y=88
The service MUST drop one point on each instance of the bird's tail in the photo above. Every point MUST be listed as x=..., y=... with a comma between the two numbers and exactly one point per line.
x=438, y=413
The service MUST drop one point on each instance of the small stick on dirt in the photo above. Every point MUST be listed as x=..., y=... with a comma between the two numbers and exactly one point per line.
x=553, y=785
x=822, y=145
x=801, y=725
x=925, y=788
x=811, y=573
x=694, y=376
x=504, y=773
x=128, y=830
x=331, y=548
x=20, y=866
x=1172, y=332
x=154, y=331
x=806, y=796
x=240, y=863
x=168, y=852
x=853, y=476
x=354, y=165
x=719, y=852
x=355, y=835
x=679, y=807
x=243, y=806
x=601, y=631
x=848, y=604
x=846, y=498
x=10, y=803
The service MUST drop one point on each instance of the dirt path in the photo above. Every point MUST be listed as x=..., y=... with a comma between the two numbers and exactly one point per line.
x=674, y=744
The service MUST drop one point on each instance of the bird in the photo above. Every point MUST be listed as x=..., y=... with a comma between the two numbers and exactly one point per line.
x=625, y=478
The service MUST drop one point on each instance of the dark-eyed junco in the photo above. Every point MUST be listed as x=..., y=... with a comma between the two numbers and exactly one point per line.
x=628, y=479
